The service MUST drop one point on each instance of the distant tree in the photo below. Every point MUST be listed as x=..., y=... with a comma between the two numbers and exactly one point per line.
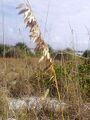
x=15, y=52
x=21, y=45
x=24, y=48
x=2, y=47
x=86, y=53
x=19, y=50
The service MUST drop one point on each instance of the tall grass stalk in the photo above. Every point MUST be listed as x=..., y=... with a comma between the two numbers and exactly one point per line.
x=36, y=35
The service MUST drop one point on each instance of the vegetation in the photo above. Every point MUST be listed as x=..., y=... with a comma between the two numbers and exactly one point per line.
x=24, y=78
x=2, y=47
x=66, y=54
x=19, y=50
x=84, y=78
x=86, y=53
x=60, y=87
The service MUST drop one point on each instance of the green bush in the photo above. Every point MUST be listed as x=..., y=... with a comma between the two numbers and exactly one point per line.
x=3, y=48
x=24, y=48
x=65, y=76
x=13, y=52
x=19, y=50
x=86, y=53
x=84, y=77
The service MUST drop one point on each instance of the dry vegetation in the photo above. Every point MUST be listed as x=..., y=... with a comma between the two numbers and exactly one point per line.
x=44, y=90
x=23, y=78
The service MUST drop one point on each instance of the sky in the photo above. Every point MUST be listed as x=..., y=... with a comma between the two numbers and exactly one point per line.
x=54, y=17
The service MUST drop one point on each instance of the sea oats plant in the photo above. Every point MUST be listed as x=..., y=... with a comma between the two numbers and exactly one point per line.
x=36, y=35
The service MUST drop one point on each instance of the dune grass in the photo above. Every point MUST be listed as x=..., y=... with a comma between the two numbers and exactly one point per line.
x=24, y=78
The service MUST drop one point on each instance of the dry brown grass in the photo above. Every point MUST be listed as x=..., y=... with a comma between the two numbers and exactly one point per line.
x=25, y=78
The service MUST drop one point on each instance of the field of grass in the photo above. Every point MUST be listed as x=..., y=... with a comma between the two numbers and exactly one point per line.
x=24, y=78
x=33, y=88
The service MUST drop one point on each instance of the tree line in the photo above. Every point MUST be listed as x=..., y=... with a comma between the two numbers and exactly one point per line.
x=21, y=50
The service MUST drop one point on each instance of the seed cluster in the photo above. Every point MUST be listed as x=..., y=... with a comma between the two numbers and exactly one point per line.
x=35, y=32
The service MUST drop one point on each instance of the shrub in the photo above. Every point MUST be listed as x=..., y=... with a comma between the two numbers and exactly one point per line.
x=20, y=50
x=13, y=52
x=86, y=53
x=2, y=47
x=24, y=48
x=84, y=77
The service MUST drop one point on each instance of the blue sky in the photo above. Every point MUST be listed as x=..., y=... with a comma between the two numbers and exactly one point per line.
x=60, y=14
